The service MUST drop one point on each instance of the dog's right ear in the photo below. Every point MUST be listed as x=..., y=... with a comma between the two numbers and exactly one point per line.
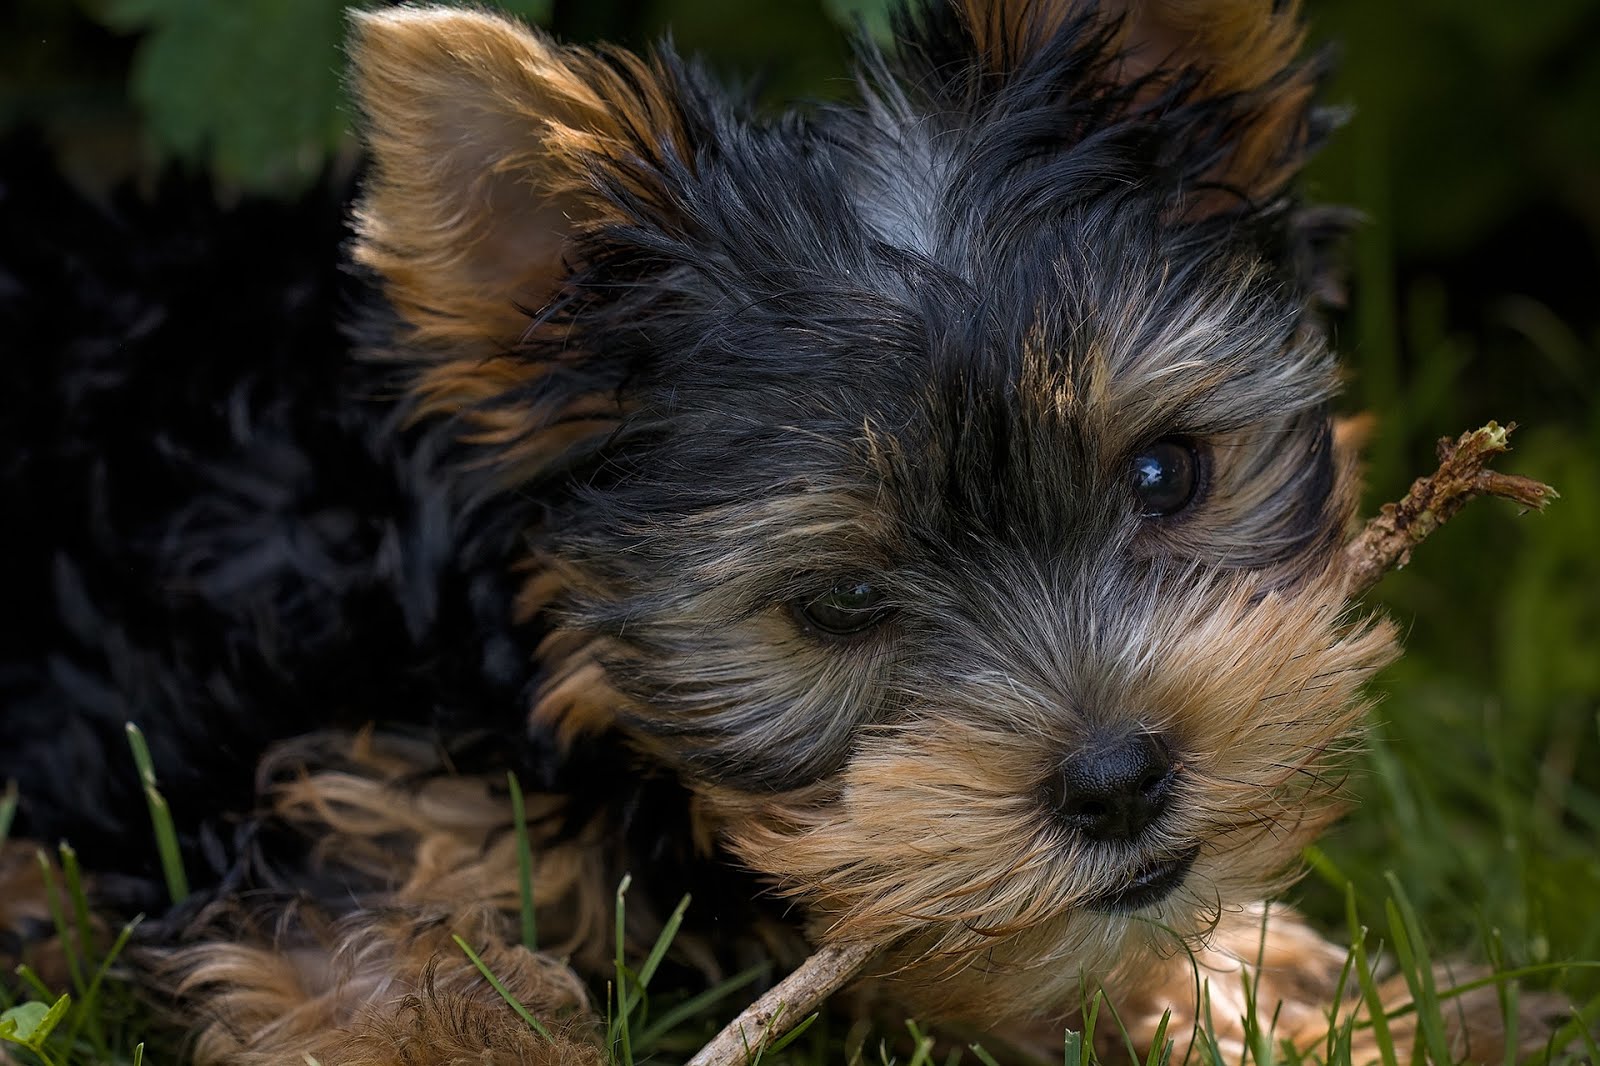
x=484, y=137
x=1247, y=51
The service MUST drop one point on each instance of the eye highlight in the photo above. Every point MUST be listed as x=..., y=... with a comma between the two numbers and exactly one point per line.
x=1166, y=476
x=850, y=607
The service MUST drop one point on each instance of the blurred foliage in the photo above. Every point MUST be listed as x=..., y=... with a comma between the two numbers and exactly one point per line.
x=253, y=86
x=1475, y=153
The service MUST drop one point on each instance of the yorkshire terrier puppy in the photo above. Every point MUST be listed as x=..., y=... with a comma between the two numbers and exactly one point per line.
x=914, y=521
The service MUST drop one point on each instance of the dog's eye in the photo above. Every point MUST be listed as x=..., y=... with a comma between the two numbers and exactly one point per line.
x=1165, y=476
x=848, y=608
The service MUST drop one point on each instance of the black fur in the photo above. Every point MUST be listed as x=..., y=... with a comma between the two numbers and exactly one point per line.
x=218, y=527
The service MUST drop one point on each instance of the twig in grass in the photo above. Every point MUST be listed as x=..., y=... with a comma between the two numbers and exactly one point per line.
x=1387, y=540
x=796, y=996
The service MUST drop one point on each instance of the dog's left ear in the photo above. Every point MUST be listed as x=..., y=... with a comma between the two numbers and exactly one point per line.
x=1246, y=51
x=484, y=137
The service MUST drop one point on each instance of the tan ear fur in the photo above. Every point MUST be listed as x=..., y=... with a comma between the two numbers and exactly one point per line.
x=1246, y=48
x=481, y=132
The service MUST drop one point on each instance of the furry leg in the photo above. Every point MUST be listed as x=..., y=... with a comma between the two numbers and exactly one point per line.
x=1269, y=954
x=382, y=988
x=412, y=858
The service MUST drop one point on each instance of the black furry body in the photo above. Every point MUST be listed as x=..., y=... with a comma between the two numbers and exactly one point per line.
x=218, y=525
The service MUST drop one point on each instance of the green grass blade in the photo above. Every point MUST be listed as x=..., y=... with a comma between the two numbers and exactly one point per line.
x=1376, y=1016
x=982, y=1055
x=8, y=810
x=699, y=1004
x=1072, y=1048
x=87, y=1016
x=1122, y=1027
x=35, y=984
x=1160, y=1046
x=1417, y=968
x=794, y=1034
x=519, y=817
x=160, y=819
x=1092, y=1019
x=625, y=998
x=1581, y=1028
x=658, y=951
x=90, y=1007
x=505, y=994
x=1531, y=970
x=759, y=1053
x=1335, y=1003
x=52, y=897
x=72, y=875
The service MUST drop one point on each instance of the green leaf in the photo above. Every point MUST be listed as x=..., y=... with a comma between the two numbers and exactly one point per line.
x=535, y=11
x=255, y=88
x=872, y=15
x=252, y=86
x=30, y=1024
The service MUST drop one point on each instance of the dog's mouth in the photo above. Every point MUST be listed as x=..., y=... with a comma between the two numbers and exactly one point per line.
x=1149, y=885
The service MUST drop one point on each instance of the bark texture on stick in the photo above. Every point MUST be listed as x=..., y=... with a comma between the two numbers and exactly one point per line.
x=1387, y=540
x=786, y=1005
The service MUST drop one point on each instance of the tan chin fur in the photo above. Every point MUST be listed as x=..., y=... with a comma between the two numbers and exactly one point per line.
x=933, y=837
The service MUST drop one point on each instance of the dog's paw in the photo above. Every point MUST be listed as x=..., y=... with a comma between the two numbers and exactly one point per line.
x=382, y=988
x=1473, y=1024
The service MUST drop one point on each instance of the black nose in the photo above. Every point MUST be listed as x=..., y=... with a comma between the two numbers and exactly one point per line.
x=1115, y=787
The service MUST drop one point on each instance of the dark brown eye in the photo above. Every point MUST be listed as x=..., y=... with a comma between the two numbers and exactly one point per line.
x=1166, y=476
x=850, y=607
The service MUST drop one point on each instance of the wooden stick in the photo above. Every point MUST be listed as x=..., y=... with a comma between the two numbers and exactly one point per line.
x=786, y=1005
x=1387, y=540
x=1384, y=544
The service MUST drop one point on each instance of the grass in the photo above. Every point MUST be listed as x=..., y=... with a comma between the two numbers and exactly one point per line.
x=99, y=1019
x=96, y=1021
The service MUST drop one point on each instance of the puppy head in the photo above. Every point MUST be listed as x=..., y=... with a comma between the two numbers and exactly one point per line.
x=943, y=485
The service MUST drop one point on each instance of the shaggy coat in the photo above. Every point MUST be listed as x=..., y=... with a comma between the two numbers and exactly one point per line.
x=763, y=491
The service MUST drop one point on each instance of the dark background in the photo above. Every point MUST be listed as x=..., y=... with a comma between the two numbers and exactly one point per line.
x=1474, y=152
